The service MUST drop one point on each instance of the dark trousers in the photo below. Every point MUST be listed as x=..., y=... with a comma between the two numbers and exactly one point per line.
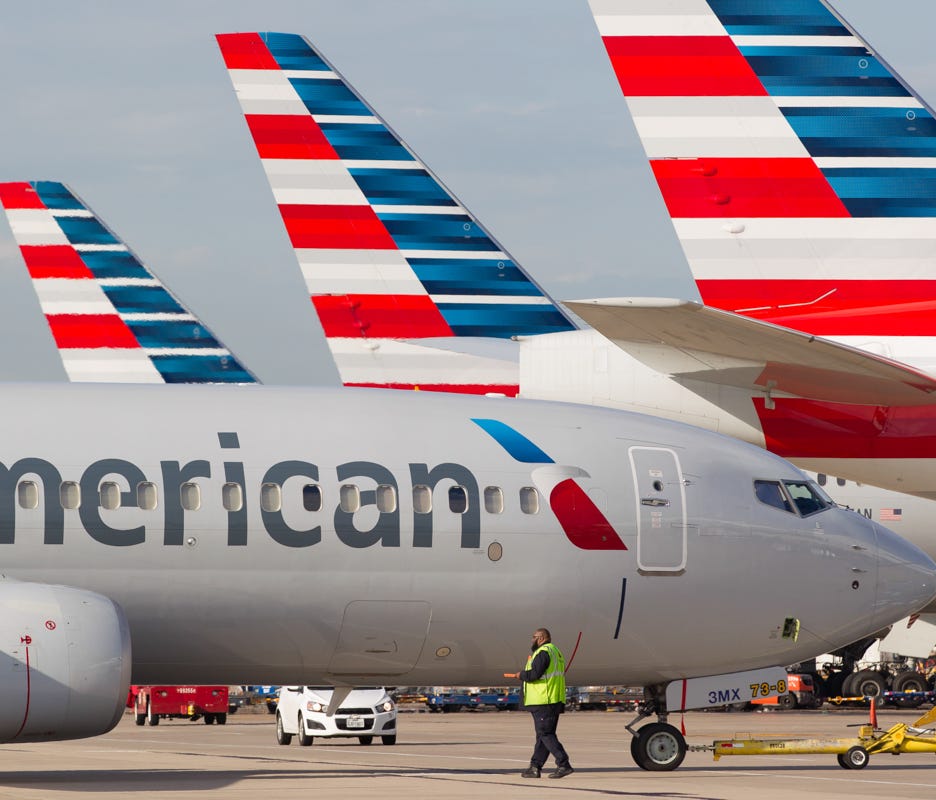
x=545, y=721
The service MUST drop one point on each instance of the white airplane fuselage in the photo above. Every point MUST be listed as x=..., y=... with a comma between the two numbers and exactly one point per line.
x=690, y=575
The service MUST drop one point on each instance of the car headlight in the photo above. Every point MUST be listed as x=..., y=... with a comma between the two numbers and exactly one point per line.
x=314, y=706
x=387, y=705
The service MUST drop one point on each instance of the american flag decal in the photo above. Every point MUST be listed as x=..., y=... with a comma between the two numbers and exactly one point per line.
x=891, y=514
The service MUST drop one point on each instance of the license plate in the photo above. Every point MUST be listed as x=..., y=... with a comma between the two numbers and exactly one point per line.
x=355, y=722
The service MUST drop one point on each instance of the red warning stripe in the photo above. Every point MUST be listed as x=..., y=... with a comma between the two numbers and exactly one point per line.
x=681, y=66
x=245, y=51
x=90, y=331
x=380, y=316
x=54, y=261
x=19, y=195
x=338, y=227
x=745, y=187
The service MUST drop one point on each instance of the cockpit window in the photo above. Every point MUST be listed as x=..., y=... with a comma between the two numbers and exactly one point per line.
x=771, y=493
x=807, y=498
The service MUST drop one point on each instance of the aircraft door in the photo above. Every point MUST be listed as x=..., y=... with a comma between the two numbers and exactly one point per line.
x=661, y=510
x=380, y=637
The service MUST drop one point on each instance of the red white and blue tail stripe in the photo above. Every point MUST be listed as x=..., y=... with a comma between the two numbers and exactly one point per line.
x=111, y=318
x=798, y=169
x=403, y=278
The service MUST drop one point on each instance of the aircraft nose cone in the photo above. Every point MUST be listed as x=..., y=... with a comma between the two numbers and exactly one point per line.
x=906, y=579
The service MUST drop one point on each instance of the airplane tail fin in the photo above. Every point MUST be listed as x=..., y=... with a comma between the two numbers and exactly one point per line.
x=111, y=318
x=395, y=266
x=798, y=168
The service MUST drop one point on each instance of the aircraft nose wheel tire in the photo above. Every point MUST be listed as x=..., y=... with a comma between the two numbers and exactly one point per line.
x=658, y=747
x=855, y=758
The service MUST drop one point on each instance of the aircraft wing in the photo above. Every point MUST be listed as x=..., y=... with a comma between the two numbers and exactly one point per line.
x=690, y=341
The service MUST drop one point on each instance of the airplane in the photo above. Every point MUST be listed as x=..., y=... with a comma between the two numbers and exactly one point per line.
x=803, y=201
x=410, y=477
x=348, y=536
x=297, y=83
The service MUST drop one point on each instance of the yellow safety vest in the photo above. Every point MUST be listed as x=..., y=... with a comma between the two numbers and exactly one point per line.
x=551, y=687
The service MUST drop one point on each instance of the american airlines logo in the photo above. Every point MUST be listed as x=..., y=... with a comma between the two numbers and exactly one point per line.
x=583, y=523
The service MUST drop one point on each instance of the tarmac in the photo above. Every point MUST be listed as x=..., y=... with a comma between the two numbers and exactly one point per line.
x=464, y=755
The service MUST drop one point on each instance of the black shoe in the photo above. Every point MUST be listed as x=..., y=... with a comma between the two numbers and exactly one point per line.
x=561, y=772
x=530, y=772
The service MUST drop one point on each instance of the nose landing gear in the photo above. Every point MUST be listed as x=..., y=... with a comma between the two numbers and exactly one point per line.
x=657, y=747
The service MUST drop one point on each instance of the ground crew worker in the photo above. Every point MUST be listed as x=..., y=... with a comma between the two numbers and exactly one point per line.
x=544, y=693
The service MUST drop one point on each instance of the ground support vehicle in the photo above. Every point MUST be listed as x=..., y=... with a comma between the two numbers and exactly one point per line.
x=851, y=752
x=364, y=713
x=449, y=702
x=909, y=699
x=153, y=703
x=501, y=699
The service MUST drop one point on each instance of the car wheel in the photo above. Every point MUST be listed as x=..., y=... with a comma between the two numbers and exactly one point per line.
x=786, y=701
x=140, y=719
x=390, y=738
x=151, y=718
x=365, y=739
x=209, y=719
x=281, y=736
x=221, y=718
x=304, y=739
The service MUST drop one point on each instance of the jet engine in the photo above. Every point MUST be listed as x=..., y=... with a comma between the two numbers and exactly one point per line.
x=64, y=662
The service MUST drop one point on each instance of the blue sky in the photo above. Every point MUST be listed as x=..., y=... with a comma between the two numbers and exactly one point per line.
x=511, y=102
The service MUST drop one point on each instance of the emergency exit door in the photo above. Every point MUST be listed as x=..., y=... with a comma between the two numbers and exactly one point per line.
x=661, y=509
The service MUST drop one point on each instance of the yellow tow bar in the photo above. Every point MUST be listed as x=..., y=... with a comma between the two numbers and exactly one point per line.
x=853, y=752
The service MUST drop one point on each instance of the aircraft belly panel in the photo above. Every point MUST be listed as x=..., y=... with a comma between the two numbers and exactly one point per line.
x=380, y=637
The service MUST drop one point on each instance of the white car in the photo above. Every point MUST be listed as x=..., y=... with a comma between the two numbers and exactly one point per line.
x=364, y=713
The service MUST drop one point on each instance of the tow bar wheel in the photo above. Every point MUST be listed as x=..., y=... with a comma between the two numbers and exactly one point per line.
x=658, y=747
x=855, y=758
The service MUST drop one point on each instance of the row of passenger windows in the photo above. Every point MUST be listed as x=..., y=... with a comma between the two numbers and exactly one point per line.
x=271, y=497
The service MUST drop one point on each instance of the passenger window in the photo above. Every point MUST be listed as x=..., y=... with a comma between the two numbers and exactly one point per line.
x=529, y=500
x=349, y=498
x=232, y=497
x=147, y=497
x=27, y=493
x=271, y=497
x=493, y=500
x=771, y=493
x=821, y=478
x=110, y=495
x=70, y=494
x=312, y=497
x=190, y=496
x=422, y=499
x=458, y=499
x=386, y=499
x=840, y=481
x=807, y=501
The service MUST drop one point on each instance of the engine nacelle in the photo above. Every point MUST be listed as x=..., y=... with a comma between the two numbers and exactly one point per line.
x=64, y=662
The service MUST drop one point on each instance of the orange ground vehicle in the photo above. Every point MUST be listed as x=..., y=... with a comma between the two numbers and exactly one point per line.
x=801, y=693
x=181, y=702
